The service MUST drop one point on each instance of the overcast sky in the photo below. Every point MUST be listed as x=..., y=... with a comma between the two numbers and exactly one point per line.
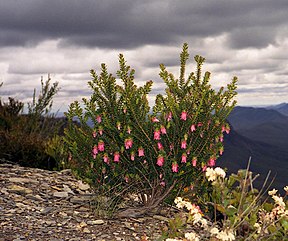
x=66, y=38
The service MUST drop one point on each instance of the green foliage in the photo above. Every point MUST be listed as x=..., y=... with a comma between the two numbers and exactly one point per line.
x=155, y=155
x=246, y=213
x=55, y=149
x=245, y=210
x=23, y=137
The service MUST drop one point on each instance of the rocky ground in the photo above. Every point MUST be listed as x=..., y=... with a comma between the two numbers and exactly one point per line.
x=38, y=204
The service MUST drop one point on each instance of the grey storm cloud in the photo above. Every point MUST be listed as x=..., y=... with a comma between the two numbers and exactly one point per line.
x=132, y=23
x=67, y=38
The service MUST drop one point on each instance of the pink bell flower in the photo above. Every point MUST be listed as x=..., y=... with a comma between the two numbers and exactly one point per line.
x=98, y=118
x=116, y=157
x=128, y=143
x=193, y=128
x=140, y=151
x=221, y=151
x=106, y=158
x=221, y=139
x=183, y=115
x=132, y=156
x=101, y=146
x=160, y=146
x=100, y=131
x=162, y=184
x=227, y=130
x=204, y=168
x=194, y=161
x=154, y=119
x=156, y=134
x=94, y=134
x=118, y=125
x=175, y=167
x=160, y=161
x=211, y=162
x=200, y=124
x=169, y=116
x=94, y=152
x=128, y=130
x=183, y=144
x=163, y=130
x=126, y=179
x=184, y=158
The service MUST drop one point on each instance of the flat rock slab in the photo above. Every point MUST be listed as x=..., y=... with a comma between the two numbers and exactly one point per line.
x=42, y=205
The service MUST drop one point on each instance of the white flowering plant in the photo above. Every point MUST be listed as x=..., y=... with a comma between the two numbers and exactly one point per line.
x=246, y=213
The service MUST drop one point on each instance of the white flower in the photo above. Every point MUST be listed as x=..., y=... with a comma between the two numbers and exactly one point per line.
x=220, y=172
x=211, y=174
x=286, y=189
x=172, y=239
x=279, y=201
x=231, y=236
x=226, y=236
x=258, y=227
x=214, y=231
x=222, y=236
x=204, y=223
x=272, y=192
x=178, y=200
x=189, y=206
x=196, y=218
x=192, y=236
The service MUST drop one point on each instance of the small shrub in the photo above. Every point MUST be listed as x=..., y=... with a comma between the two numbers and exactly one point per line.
x=156, y=154
x=23, y=137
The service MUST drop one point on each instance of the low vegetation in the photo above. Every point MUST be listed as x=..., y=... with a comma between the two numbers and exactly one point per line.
x=24, y=137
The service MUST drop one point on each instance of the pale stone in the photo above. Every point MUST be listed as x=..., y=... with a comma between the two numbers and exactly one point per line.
x=82, y=186
x=95, y=222
x=46, y=210
x=60, y=194
x=86, y=230
x=82, y=224
x=67, y=189
x=81, y=199
x=22, y=180
x=161, y=218
x=19, y=189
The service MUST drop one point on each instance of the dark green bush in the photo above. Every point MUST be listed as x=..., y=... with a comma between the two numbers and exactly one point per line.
x=24, y=137
x=154, y=154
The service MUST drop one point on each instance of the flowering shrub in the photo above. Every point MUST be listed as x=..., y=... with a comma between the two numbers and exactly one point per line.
x=153, y=154
x=245, y=216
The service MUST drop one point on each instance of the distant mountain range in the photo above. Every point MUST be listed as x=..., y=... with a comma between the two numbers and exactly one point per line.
x=262, y=134
x=281, y=108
